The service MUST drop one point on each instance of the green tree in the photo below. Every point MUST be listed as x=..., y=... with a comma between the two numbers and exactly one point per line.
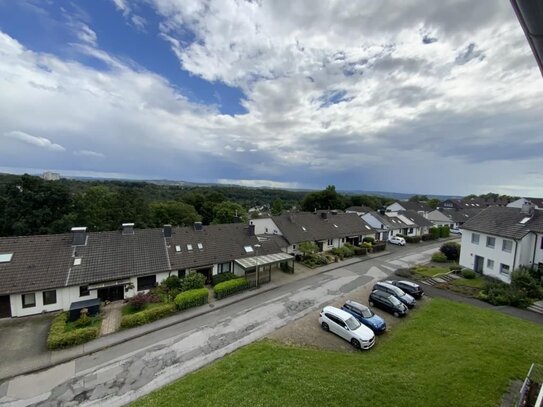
x=95, y=208
x=172, y=212
x=308, y=248
x=433, y=203
x=325, y=199
x=277, y=207
x=418, y=198
x=227, y=212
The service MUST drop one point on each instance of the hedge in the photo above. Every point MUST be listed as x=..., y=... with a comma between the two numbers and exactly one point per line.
x=230, y=287
x=221, y=277
x=428, y=236
x=58, y=337
x=192, y=298
x=412, y=239
x=147, y=315
x=360, y=251
x=379, y=247
x=368, y=239
x=439, y=257
x=468, y=274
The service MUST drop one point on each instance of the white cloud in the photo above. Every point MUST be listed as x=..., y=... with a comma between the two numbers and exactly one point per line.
x=86, y=35
x=122, y=6
x=89, y=153
x=26, y=138
x=259, y=183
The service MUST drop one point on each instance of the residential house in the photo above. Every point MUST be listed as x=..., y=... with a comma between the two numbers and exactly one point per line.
x=438, y=218
x=388, y=224
x=519, y=203
x=454, y=218
x=474, y=202
x=419, y=207
x=328, y=229
x=50, y=272
x=359, y=210
x=500, y=239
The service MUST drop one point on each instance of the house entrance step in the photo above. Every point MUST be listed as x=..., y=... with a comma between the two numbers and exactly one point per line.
x=537, y=307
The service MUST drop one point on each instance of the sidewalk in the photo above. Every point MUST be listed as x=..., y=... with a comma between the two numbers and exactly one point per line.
x=52, y=358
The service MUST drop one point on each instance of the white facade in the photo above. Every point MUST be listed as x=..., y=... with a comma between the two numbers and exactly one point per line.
x=395, y=207
x=265, y=226
x=519, y=203
x=489, y=253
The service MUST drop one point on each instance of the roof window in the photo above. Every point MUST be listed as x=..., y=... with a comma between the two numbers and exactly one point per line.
x=248, y=249
x=334, y=225
x=177, y=248
x=367, y=227
x=200, y=246
x=77, y=261
x=526, y=219
x=5, y=257
x=304, y=229
x=189, y=247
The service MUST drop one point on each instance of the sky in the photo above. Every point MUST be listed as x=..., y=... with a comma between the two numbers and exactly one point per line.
x=408, y=96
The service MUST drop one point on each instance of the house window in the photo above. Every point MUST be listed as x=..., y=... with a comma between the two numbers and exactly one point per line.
x=146, y=283
x=489, y=264
x=224, y=267
x=410, y=230
x=507, y=246
x=181, y=273
x=330, y=242
x=49, y=297
x=29, y=300
x=541, y=245
x=490, y=242
x=84, y=291
x=475, y=238
x=266, y=230
x=294, y=247
x=505, y=269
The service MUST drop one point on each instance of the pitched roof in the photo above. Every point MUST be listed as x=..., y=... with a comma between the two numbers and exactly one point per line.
x=437, y=215
x=38, y=262
x=360, y=209
x=219, y=244
x=460, y=215
x=417, y=218
x=112, y=255
x=414, y=206
x=304, y=226
x=506, y=222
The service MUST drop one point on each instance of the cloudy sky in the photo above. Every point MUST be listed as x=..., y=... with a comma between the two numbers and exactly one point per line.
x=438, y=97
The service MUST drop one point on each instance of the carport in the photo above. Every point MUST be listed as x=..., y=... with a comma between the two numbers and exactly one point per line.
x=261, y=266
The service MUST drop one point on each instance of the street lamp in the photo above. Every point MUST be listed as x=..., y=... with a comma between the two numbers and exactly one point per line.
x=256, y=246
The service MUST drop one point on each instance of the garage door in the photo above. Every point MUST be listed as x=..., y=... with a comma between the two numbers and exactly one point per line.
x=5, y=307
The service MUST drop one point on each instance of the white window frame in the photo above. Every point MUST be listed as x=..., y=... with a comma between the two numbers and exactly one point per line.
x=475, y=240
x=503, y=246
x=505, y=271
x=493, y=245
x=490, y=264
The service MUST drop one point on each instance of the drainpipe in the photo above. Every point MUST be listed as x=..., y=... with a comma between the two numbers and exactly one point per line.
x=535, y=248
x=514, y=258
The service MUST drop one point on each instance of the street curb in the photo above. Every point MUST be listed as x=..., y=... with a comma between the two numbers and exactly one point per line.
x=154, y=328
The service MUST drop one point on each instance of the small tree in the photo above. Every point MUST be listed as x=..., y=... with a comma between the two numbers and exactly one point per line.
x=451, y=250
x=308, y=248
x=277, y=207
x=193, y=281
x=523, y=281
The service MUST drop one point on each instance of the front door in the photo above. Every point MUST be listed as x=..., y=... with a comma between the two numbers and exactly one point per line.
x=113, y=293
x=5, y=307
x=207, y=273
x=478, y=264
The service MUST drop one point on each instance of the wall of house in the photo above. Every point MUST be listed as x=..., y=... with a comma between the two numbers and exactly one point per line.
x=65, y=297
x=538, y=255
x=395, y=207
x=470, y=250
x=265, y=226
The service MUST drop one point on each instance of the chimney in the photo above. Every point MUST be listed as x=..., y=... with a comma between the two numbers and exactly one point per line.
x=198, y=226
x=167, y=230
x=527, y=208
x=324, y=215
x=79, y=236
x=251, y=230
x=128, y=228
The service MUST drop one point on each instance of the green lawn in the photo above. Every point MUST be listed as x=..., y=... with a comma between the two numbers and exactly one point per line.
x=445, y=354
x=96, y=322
x=477, y=282
x=430, y=271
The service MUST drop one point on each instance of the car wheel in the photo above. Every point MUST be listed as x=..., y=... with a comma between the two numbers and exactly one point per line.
x=325, y=326
x=355, y=343
x=371, y=304
x=396, y=314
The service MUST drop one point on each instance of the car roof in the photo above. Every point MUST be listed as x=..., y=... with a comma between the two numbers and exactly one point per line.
x=382, y=293
x=409, y=283
x=384, y=284
x=356, y=304
x=337, y=312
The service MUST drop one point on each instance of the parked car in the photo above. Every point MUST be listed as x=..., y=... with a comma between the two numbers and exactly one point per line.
x=347, y=327
x=456, y=231
x=387, y=302
x=400, y=241
x=397, y=292
x=366, y=316
x=410, y=288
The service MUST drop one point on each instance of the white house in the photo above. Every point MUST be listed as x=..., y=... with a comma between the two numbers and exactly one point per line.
x=500, y=239
x=419, y=207
x=519, y=203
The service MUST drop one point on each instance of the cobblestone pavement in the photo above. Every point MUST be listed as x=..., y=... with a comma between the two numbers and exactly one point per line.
x=112, y=318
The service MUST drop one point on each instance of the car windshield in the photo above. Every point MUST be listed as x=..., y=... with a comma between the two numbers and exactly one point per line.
x=352, y=323
x=397, y=291
x=394, y=300
x=365, y=312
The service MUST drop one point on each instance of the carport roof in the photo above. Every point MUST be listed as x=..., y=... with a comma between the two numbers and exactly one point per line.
x=251, y=262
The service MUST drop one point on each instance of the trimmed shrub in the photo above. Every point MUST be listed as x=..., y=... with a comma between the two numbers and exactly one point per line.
x=439, y=257
x=412, y=239
x=193, y=281
x=172, y=282
x=219, y=278
x=58, y=337
x=230, y=287
x=368, y=239
x=468, y=274
x=140, y=300
x=455, y=267
x=404, y=272
x=192, y=298
x=147, y=315
x=428, y=236
x=360, y=251
x=451, y=250
x=434, y=232
x=367, y=245
x=83, y=321
x=444, y=231
x=379, y=247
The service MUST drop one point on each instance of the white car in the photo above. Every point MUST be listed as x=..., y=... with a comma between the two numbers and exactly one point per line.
x=396, y=240
x=456, y=231
x=346, y=326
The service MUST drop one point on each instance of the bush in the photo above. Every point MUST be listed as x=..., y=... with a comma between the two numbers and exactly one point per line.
x=367, y=245
x=230, y=287
x=404, y=272
x=434, y=232
x=368, y=239
x=412, y=239
x=172, y=282
x=439, y=257
x=360, y=251
x=468, y=274
x=219, y=278
x=444, y=231
x=523, y=281
x=192, y=298
x=146, y=316
x=379, y=247
x=428, y=236
x=83, y=321
x=58, y=337
x=193, y=281
x=140, y=300
x=455, y=267
x=451, y=250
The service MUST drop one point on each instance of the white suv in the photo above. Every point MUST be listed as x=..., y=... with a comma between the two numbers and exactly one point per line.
x=346, y=326
x=397, y=240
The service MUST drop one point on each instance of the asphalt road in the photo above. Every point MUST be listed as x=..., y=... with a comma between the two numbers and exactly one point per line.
x=122, y=373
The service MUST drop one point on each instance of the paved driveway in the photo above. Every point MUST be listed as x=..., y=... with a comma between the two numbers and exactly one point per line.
x=24, y=337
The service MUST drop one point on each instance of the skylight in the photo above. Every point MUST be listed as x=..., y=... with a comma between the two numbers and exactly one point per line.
x=5, y=257
x=248, y=249
x=200, y=246
x=189, y=247
x=77, y=261
x=367, y=227
x=334, y=225
x=526, y=219
x=304, y=229
x=177, y=248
